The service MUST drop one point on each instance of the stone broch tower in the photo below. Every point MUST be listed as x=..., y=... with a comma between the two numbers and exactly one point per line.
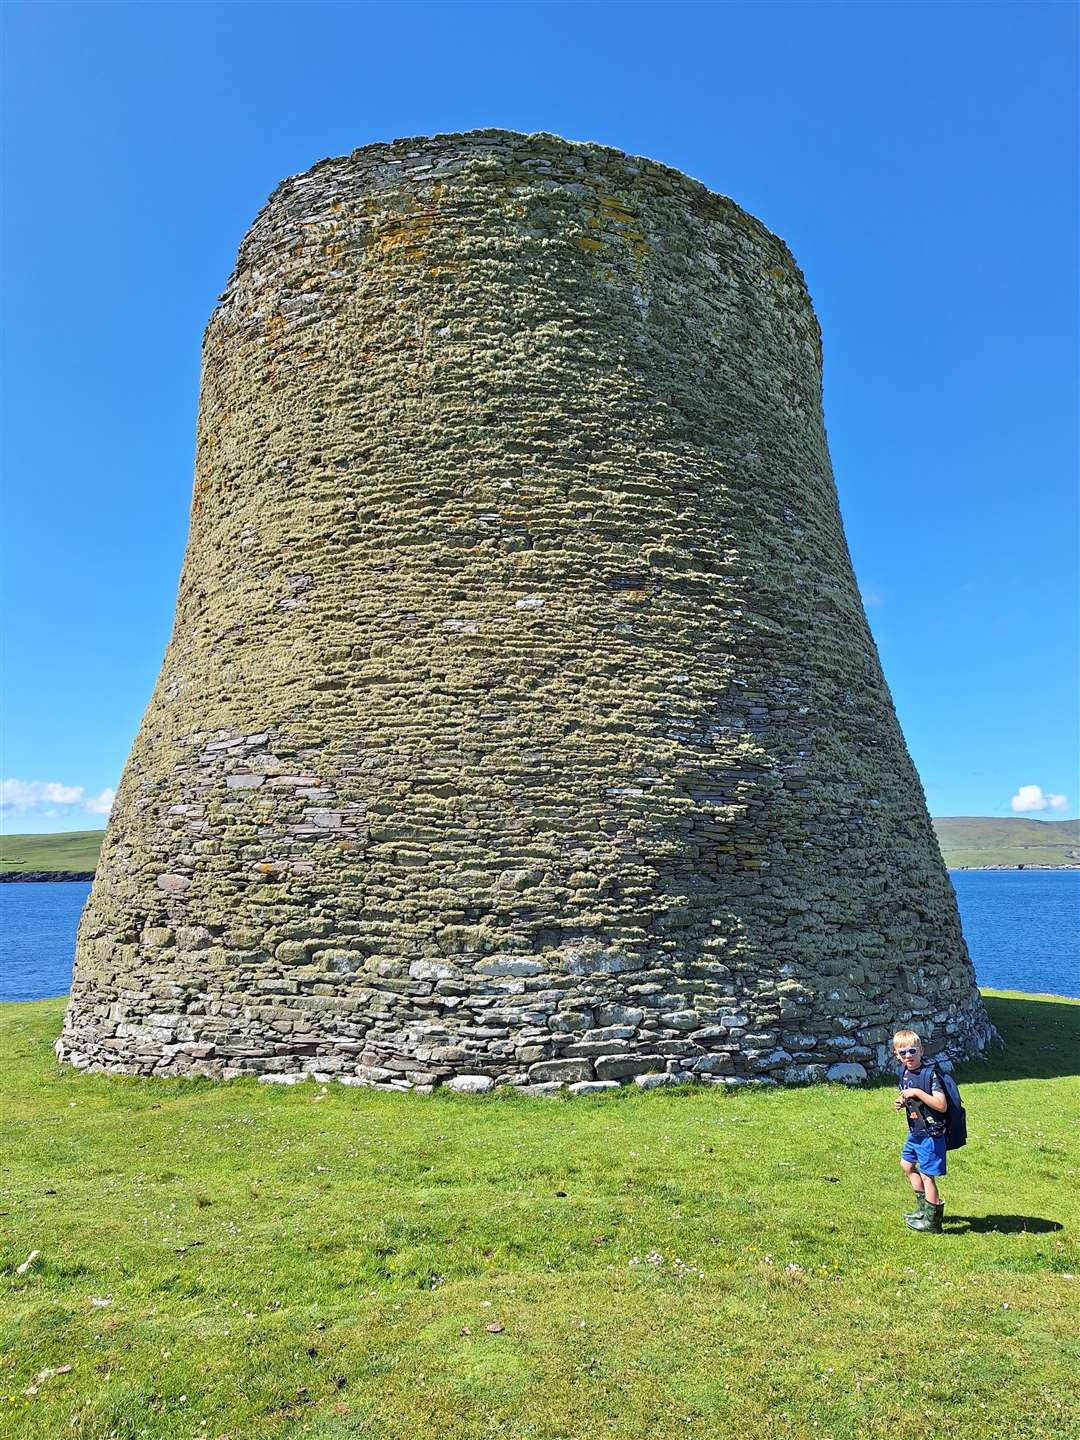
x=520, y=719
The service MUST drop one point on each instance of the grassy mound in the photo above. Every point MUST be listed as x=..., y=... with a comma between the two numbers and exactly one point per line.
x=257, y=1261
x=74, y=850
x=973, y=841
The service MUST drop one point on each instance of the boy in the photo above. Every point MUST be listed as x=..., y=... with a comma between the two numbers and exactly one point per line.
x=923, y=1157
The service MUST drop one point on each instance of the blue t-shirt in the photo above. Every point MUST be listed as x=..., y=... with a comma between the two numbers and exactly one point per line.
x=921, y=1119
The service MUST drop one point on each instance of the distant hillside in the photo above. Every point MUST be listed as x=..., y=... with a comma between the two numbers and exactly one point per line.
x=967, y=842
x=75, y=850
x=973, y=841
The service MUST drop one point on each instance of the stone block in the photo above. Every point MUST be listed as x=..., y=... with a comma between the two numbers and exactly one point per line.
x=708, y=1035
x=506, y=965
x=565, y=1071
x=607, y=1015
x=373, y=1074
x=847, y=1074
x=621, y=1067
x=807, y=1074
x=592, y=1087
x=174, y=884
x=599, y=962
x=470, y=1084
x=715, y=1064
x=769, y=1059
x=591, y=1051
x=685, y=1020
x=291, y=952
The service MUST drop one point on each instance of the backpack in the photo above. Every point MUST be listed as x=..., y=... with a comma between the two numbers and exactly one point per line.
x=955, y=1115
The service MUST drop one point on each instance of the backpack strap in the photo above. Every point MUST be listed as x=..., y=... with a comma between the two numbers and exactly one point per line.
x=940, y=1117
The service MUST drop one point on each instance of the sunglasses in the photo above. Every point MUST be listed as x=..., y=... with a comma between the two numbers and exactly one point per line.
x=913, y=1050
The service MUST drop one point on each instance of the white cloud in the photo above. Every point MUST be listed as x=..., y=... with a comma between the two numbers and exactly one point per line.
x=17, y=797
x=57, y=794
x=1032, y=797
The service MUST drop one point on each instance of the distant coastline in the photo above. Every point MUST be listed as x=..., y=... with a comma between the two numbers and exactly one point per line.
x=8, y=877
x=1021, y=866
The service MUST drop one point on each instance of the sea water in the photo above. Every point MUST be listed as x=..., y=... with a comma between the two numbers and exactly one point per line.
x=1022, y=928
x=38, y=920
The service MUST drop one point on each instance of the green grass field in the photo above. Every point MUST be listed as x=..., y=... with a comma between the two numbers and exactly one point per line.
x=974, y=840
x=75, y=850
x=1004, y=855
x=322, y=1263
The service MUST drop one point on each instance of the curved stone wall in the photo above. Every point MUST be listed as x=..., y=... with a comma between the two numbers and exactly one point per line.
x=520, y=719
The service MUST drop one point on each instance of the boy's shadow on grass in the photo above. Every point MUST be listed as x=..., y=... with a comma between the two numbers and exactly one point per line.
x=1001, y=1224
x=1042, y=1040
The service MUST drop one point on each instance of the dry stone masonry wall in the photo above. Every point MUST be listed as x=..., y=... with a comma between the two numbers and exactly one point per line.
x=520, y=723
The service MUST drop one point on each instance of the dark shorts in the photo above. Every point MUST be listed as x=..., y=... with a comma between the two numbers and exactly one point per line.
x=928, y=1153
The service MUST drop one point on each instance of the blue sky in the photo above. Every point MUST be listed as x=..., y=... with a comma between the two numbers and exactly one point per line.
x=920, y=160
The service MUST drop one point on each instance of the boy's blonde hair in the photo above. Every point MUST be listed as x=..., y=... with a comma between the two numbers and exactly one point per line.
x=906, y=1037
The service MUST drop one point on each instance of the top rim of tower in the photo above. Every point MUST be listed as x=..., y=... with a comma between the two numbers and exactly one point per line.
x=404, y=148
x=399, y=148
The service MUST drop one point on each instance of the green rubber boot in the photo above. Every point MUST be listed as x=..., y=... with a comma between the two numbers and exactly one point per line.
x=929, y=1222
x=919, y=1211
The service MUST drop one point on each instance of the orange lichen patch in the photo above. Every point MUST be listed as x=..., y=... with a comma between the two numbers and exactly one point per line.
x=617, y=222
x=639, y=249
x=613, y=209
x=405, y=237
x=203, y=481
x=587, y=243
